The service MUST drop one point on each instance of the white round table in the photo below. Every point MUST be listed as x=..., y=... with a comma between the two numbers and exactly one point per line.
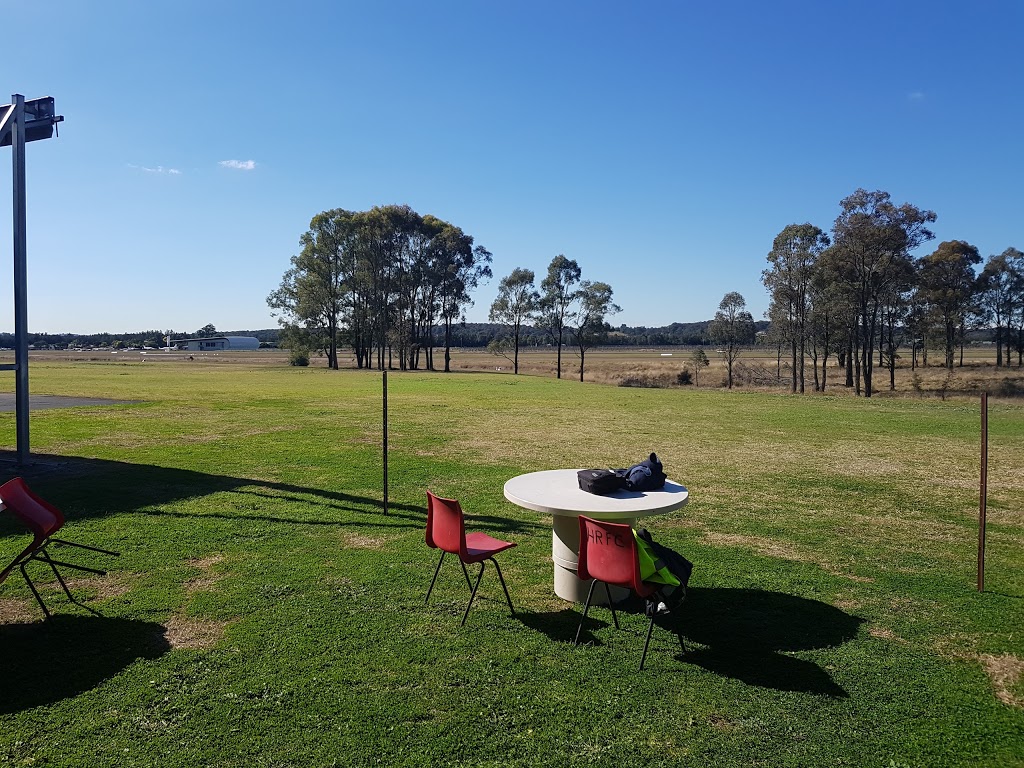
x=557, y=492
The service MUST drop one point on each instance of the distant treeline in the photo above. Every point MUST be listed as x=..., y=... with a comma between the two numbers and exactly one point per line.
x=465, y=335
x=153, y=339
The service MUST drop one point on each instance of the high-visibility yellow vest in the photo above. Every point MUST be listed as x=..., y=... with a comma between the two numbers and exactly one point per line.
x=653, y=569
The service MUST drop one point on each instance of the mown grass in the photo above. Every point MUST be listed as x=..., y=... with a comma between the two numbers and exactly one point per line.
x=265, y=611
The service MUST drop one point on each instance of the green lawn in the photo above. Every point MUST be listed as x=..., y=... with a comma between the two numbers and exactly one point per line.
x=265, y=611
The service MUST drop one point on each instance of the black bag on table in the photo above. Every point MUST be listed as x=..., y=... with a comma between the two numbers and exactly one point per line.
x=648, y=475
x=600, y=481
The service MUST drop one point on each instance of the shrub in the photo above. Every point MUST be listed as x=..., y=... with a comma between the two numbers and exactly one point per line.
x=1009, y=388
x=646, y=381
x=915, y=382
x=299, y=357
x=684, y=378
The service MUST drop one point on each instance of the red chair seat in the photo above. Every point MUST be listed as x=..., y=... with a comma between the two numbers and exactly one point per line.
x=480, y=546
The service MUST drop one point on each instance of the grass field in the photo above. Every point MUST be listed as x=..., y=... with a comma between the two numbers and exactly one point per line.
x=265, y=611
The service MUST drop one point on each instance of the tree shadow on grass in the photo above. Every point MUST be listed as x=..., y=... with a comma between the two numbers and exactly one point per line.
x=744, y=634
x=115, y=487
x=45, y=662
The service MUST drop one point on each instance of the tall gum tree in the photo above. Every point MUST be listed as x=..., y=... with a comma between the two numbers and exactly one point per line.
x=792, y=260
x=312, y=292
x=379, y=278
x=732, y=328
x=948, y=284
x=514, y=305
x=594, y=304
x=1002, y=284
x=872, y=240
x=556, y=301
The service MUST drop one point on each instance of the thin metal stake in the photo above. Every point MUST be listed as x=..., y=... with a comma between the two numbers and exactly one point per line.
x=385, y=442
x=982, y=504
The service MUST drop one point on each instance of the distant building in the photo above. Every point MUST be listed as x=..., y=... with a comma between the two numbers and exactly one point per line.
x=217, y=343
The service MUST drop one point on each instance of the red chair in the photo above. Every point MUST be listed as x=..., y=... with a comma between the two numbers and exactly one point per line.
x=446, y=530
x=43, y=520
x=608, y=553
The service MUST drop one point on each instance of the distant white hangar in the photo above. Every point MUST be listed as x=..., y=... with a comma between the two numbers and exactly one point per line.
x=217, y=343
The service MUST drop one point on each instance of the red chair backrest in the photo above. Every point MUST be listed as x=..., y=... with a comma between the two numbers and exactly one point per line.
x=41, y=517
x=608, y=552
x=446, y=527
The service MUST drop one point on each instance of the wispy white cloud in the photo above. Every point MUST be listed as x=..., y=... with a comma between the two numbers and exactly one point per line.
x=158, y=169
x=239, y=165
x=916, y=95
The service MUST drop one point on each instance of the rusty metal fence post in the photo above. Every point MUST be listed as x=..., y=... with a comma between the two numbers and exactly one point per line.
x=982, y=504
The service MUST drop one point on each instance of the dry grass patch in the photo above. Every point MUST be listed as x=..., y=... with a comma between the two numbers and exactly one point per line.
x=781, y=550
x=194, y=634
x=883, y=633
x=201, y=584
x=15, y=611
x=760, y=544
x=206, y=581
x=205, y=563
x=111, y=585
x=351, y=540
x=1007, y=674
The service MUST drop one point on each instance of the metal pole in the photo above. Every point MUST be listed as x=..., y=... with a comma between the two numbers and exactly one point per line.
x=385, y=377
x=20, y=281
x=982, y=505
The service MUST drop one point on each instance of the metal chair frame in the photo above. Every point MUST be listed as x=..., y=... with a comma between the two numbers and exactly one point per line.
x=463, y=554
x=42, y=538
x=634, y=582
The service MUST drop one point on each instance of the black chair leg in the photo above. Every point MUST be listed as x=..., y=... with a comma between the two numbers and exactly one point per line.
x=44, y=555
x=502, y=580
x=647, y=642
x=608, y=593
x=586, y=608
x=35, y=592
x=475, y=588
x=466, y=574
x=64, y=543
x=436, y=571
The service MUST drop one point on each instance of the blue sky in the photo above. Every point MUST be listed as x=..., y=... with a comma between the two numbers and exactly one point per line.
x=662, y=145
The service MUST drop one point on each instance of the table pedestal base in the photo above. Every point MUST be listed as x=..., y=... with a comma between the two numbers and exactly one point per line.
x=565, y=552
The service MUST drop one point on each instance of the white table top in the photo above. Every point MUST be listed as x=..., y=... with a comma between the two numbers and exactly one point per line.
x=557, y=492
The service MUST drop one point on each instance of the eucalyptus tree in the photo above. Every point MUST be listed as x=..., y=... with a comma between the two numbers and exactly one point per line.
x=312, y=292
x=385, y=231
x=732, y=328
x=459, y=266
x=514, y=305
x=700, y=361
x=556, y=301
x=778, y=334
x=831, y=319
x=1002, y=283
x=413, y=297
x=380, y=278
x=792, y=259
x=873, y=239
x=588, y=320
x=948, y=284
